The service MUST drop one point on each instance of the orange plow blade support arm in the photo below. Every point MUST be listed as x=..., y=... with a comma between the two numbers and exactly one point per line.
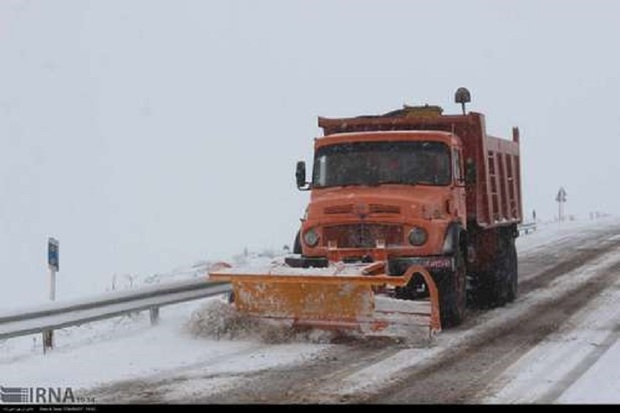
x=329, y=301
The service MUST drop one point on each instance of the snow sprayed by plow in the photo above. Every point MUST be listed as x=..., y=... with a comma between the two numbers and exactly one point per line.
x=218, y=319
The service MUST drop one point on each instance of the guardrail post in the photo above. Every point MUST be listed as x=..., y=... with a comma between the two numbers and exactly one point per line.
x=526, y=228
x=154, y=313
x=48, y=340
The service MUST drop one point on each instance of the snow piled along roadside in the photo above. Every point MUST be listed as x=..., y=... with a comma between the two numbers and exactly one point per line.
x=87, y=358
x=198, y=333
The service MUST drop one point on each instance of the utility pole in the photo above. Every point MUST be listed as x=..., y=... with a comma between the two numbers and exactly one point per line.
x=561, y=199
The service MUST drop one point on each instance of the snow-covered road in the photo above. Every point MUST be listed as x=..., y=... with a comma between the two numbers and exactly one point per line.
x=558, y=343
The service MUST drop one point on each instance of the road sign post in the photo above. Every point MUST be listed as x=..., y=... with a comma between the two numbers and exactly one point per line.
x=560, y=199
x=53, y=263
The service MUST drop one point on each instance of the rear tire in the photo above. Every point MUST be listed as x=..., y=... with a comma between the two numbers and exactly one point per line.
x=513, y=272
x=498, y=285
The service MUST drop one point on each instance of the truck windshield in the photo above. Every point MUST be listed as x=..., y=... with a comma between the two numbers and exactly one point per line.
x=375, y=163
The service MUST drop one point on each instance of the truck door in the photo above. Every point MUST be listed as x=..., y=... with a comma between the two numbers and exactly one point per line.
x=458, y=192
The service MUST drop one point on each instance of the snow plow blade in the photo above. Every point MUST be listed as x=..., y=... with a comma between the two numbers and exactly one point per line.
x=338, y=301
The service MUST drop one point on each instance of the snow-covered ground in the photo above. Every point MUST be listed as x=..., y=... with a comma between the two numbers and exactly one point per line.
x=578, y=364
x=129, y=348
x=586, y=349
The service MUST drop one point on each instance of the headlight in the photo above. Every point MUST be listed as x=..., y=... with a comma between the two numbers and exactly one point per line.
x=311, y=237
x=417, y=236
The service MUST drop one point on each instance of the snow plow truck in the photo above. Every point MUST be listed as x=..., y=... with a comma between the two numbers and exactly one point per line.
x=412, y=217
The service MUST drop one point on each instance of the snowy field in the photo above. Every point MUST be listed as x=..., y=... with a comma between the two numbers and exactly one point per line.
x=186, y=342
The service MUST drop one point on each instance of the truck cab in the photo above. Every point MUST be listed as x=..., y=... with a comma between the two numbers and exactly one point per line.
x=389, y=195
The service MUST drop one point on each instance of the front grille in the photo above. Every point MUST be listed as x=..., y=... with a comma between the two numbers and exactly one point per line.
x=372, y=208
x=339, y=209
x=362, y=235
x=383, y=209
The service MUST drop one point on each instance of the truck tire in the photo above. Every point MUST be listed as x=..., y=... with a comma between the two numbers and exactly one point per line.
x=513, y=272
x=297, y=244
x=453, y=293
x=498, y=284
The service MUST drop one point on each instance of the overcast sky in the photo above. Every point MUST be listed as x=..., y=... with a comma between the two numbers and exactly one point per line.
x=148, y=134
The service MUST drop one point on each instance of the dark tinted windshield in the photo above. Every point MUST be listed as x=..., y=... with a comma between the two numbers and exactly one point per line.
x=374, y=163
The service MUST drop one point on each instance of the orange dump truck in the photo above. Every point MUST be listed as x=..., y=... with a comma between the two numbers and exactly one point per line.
x=428, y=200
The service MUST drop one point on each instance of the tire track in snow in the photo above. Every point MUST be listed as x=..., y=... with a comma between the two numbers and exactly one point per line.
x=464, y=372
x=154, y=388
x=540, y=269
x=548, y=372
x=295, y=385
x=581, y=368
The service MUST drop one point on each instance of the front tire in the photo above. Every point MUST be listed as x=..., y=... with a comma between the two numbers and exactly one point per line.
x=453, y=293
x=297, y=244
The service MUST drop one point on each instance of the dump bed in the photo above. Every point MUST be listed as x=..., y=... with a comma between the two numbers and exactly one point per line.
x=494, y=199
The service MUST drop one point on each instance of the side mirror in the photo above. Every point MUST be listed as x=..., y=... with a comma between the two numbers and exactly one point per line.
x=470, y=172
x=300, y=175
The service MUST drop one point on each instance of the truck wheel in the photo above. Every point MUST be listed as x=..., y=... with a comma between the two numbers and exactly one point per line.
x=297, y=244
x=453, y=294
x=504, y=280
x=513, y=271
x=491, y=287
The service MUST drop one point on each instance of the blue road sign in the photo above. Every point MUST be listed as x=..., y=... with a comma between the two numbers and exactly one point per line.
x=52, y=254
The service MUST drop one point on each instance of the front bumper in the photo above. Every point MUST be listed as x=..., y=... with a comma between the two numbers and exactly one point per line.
x=299, y=261
x=396, y=265
x=399, y=265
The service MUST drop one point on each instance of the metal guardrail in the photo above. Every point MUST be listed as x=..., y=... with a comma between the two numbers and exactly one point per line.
x=58, y=315
x=525, y=228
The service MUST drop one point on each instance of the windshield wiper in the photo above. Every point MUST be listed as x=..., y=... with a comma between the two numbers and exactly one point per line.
x=391, y=181
x=371, y=183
